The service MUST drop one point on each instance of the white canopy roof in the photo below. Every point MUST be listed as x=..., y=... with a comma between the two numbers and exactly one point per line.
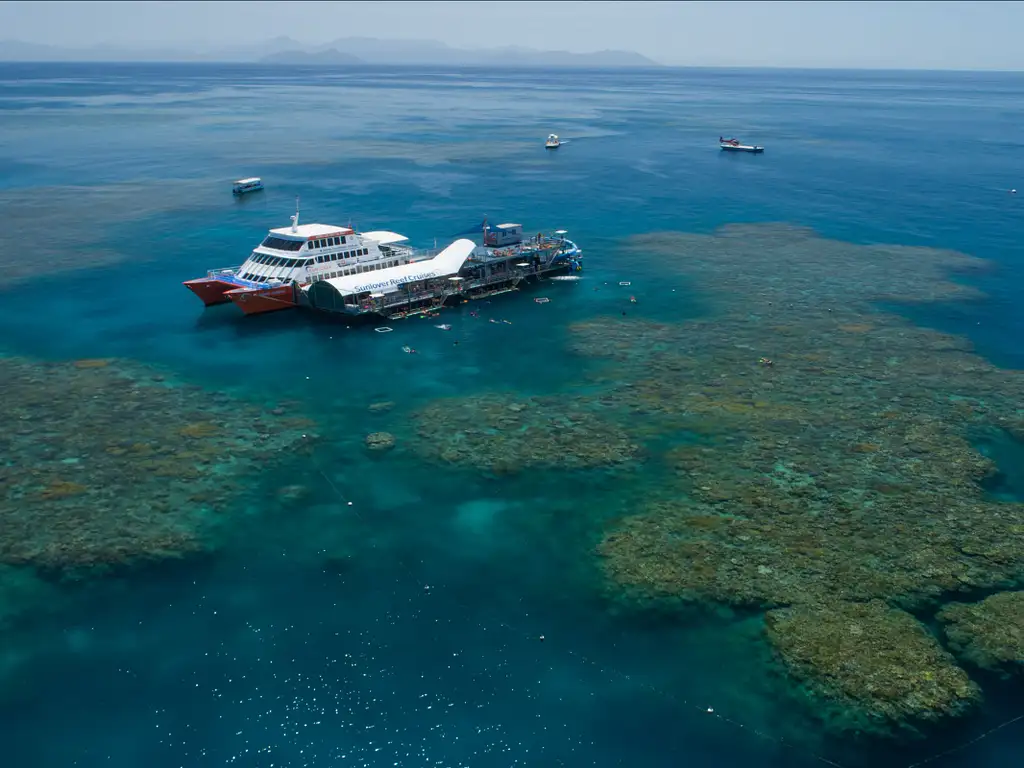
x=384, y=237
x=312, y=230
x=447, y=262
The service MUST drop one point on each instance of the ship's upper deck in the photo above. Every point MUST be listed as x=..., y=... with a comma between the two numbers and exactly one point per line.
x=310, y=231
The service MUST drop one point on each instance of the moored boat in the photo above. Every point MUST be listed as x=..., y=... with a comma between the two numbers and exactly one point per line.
x=290, y=258
x=734, y=145
x=552, y=142
x=244, y=186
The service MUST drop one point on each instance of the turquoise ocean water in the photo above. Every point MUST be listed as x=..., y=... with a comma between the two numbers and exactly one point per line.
x=448, y=615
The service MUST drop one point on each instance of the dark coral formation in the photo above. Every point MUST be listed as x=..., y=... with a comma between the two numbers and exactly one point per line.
x=842, y=470
x=829, y=457
x=507, y=434
x=872, y=660
x=108, y=464
x=380, y=441
x=990, y=633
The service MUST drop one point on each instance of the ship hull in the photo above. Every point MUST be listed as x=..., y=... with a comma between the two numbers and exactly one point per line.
x=741, y=148
x=257, y=301
x=210, y=290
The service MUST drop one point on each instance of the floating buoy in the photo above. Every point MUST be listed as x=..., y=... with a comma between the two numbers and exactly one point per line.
x=625, y=283
x=1013, y=191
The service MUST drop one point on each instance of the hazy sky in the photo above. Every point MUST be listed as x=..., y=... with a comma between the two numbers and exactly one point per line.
x=930, y=35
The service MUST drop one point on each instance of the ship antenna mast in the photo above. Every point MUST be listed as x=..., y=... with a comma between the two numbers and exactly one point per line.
x=295, y=218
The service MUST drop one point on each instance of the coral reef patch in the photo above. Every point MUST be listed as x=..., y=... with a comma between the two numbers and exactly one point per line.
x=832, y=462
x=507, y=434
x=106, y=463
x=877, y=663
x=989, y=634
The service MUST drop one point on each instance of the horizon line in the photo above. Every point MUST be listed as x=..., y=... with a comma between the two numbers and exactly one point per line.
x=654, y=67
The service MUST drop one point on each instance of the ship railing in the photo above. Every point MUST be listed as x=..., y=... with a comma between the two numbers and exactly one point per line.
x=223, y=272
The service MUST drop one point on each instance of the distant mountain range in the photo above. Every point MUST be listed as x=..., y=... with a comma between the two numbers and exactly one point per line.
x=347, y=51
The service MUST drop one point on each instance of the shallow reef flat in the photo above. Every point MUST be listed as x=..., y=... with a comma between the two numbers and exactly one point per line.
x=107, y=463
x=831, y=459
x=989, y=634
x=872, y=660
x=506, y=434
x=75, y=240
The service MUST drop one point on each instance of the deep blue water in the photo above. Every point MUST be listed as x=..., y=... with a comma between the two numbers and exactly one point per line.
x=424, y=649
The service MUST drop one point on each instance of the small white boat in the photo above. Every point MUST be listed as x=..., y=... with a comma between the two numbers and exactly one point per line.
x=552, y=142
x=242, y=186
x=734, y=145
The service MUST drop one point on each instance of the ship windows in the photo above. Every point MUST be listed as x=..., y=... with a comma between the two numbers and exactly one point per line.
x=280, y=244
